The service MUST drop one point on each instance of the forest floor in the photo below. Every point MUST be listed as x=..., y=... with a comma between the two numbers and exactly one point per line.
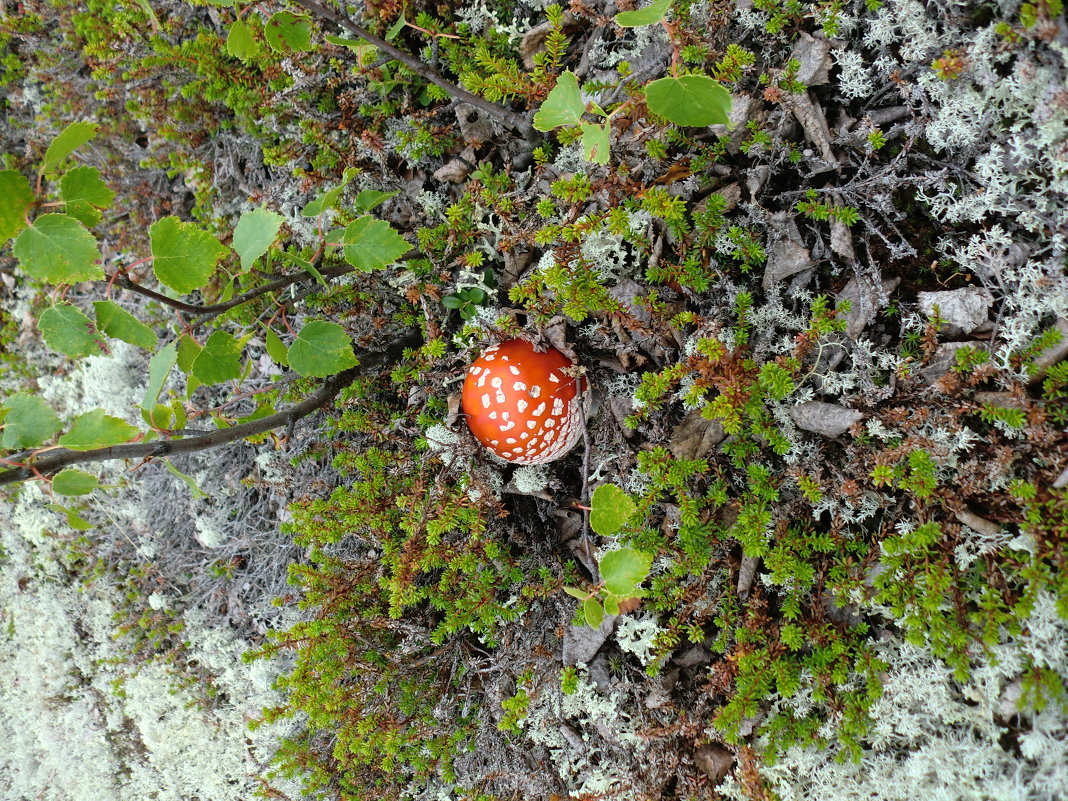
x=827, y=348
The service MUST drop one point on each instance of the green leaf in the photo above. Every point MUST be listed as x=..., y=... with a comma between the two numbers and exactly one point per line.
x=240, y=42
x=327, y=199
x=194, y=490
x=285, y=31
x=255, y=233
x=563, y=106
x=321, y=349
x=611, y=605
x=16, y=197
x=371, y=244
x=650, y=15
x=297, y=261
x=188, y=350
x=357, y=45
x=74, y=520
x=97, y=429
x=219, y=360
x=58, y=249
x=116, y=322
x=575, y=592
x=84, y=192
x=695, y=100
x=396, y=28
x=370, y=199
x=611, y=507
x=591, y=608
x=595, y=143
x=28, y=422
x=66, y=330
x=276, y=349
x=74, y=482
x=623, y=570
x=72, y=137
x=183, y=256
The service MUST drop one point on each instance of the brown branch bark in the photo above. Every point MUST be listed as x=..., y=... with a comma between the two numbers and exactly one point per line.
x=53, y=461
x=517, y=122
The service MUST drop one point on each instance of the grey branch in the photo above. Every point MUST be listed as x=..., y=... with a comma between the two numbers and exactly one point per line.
x=53, y=461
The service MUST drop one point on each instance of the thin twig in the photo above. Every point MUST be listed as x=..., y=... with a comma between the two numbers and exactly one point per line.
x=504, y=115
x=55, y=460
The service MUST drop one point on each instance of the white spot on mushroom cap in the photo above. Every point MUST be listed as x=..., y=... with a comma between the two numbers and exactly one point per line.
x=535, y=391
x=521, y=405
x=519, y=386
x=485, y=402
x=539, y=410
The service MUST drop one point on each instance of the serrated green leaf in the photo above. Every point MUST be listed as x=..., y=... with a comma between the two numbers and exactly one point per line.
x=74, y=482
x=610, y=507
x=116, y=322
x=97, y=429
x=74, y=520
x=194, y=490
x=623, y=570
x=694, y=100
x=84, y=186
x=183, y=256
x=159, y=367
x=276, y=349
x=219, y=360
x=72, y=137
x=240, y=42
x=370, y=199
x=285, y=32
x=16, y=197
x=58, y=249
x=188, y=350
x=321, y=349
x=593, y=612
x=28, y=422
x=595, y=143
x=65, y=329
x=255, y=233
x=84, y=213
x=575, y=592
x=611, y=605
x=371, y=244
x=563, y=106
x=650, y=15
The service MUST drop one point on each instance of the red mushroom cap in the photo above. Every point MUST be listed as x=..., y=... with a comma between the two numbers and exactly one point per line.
x=524, y=405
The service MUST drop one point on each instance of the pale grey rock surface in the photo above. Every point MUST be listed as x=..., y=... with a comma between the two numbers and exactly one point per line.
x=826, y=419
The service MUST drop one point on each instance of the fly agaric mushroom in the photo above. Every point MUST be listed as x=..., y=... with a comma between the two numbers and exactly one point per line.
x=526, y=407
